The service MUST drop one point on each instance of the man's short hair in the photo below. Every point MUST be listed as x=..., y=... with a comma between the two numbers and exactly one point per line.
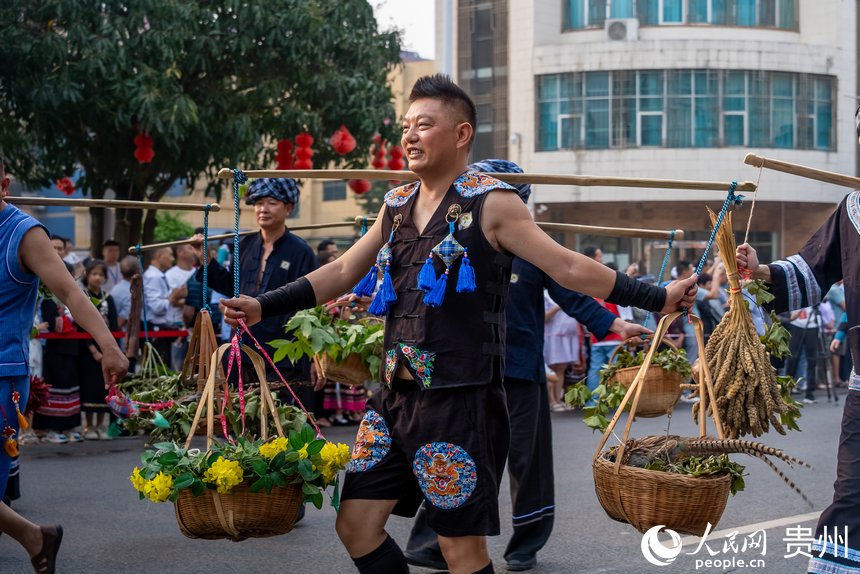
x=110, y=243
x=704, y=278
x=590, y=251
x=682, y=266
x=129, y=266
x=442, y=87
x=323, y=246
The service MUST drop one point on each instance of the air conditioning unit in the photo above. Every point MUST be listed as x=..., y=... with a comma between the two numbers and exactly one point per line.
x=622, y=29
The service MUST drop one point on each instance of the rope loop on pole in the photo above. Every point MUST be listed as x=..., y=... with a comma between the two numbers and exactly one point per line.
x=142, y=293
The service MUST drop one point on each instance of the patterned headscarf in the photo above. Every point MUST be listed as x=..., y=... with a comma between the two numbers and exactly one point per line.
x=504, y=166
x=282, y=189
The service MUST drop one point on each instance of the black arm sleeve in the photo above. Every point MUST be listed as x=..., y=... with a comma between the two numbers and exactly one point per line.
x=627, y=292
x=220, y=279
x=288, y=299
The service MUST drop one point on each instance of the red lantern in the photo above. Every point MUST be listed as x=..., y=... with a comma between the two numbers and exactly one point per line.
x=377, y=139
x=342, y=141
x=143, y=148
x=304, y=153
x=66, y=186
x=304, y=139
x=359, y=186
x=396, y=162
x=285, y=154
x=377, y=162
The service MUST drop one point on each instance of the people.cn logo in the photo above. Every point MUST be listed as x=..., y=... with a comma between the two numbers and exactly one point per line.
x=655, y=552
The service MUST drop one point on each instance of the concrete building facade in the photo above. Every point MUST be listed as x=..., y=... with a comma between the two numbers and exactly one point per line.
x=678, y=89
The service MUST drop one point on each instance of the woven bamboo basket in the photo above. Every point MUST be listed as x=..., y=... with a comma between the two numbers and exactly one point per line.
x=239, y=514
x=351, y=371
x=647, y=498
x=661, y=388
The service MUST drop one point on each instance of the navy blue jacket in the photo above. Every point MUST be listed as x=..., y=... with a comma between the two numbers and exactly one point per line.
x=290, y=259
x=525, y=319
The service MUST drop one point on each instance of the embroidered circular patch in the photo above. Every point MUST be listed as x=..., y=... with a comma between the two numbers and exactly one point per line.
x=371, y=443
x=446, y=474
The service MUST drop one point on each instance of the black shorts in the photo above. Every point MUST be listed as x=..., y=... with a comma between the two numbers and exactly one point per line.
x=447, y=446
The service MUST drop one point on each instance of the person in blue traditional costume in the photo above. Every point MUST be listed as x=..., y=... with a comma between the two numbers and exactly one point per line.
x=443, y=246
x=800, y=281
x=27, y=257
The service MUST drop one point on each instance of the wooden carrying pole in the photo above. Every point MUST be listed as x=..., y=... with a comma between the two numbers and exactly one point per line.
x=535, y=178
x=112, y=203
x=590, y=229
x=220, y=236
x=803, y=171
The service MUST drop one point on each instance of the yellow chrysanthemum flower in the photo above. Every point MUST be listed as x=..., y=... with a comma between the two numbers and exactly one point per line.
x=303, y=452
x=137, y=480
x=224, y=474
x=158, y=489
x=273, y=447
x=334, y=458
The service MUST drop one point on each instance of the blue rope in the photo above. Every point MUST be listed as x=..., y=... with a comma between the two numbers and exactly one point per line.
x=142, y=296
x=363, y=226
x=662, y=272
x=206, y=257
x=731, y=199
x=238, y=178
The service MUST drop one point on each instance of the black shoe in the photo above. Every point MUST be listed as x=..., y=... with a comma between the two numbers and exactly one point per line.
x=521, y=564
x=426, y=559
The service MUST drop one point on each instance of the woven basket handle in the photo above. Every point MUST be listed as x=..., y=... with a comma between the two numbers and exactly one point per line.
x=635, y=390
x=267, y=405
x=638, y=341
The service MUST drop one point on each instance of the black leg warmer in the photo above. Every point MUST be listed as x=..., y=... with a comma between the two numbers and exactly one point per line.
x=488, y=569
x=386, y=559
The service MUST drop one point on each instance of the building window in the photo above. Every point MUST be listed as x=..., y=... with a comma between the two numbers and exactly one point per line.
x=685, y=108
x=782, y=14
x=334, y=191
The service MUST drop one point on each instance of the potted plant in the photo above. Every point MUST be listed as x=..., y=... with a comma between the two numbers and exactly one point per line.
x=345, y=351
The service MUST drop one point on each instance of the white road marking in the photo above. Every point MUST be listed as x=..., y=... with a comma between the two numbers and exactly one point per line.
x=766, y=525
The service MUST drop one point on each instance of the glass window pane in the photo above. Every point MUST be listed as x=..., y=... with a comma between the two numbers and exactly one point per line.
x=597, y=124
x=596, y=84
x=746, y=12
x=548, y=87
x=548, y=126
x=571, y=132
x=822, y=89
x=596, y=12
x=706, y=122
x=733, y=130
x=707, y=83
x=720, y=12
x=623, y=83
x=621, y=9
x=679, y=122
x=648, y=12
x=652, y=130
x=623, y=122
x=651, y=83
x=767, y=12
x=673, y=10
x=697, y=11
x=680, y=83
x=783, y=123
x=823, y=124
x=788, y=14
x=783, y=85
x=575, y=14
x=759, y=120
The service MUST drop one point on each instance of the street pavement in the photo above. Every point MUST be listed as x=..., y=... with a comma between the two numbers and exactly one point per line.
x=85, y=487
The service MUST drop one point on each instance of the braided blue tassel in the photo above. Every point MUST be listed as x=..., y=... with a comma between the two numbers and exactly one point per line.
x=466, y=276
x=436, y=295
x=367, y=286
x=378, y=306
x=427, y=275
x=386, y=291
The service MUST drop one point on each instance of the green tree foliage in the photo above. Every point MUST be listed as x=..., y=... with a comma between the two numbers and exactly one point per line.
x=214, y=84
x=171, y=227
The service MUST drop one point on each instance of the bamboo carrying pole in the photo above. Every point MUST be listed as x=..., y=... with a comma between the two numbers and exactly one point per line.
x=542, y=178
x=802, y=171
x=220, y=236
x=113, y=203
x=591, y=229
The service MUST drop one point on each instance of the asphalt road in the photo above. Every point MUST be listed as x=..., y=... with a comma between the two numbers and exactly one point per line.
x=85, y=488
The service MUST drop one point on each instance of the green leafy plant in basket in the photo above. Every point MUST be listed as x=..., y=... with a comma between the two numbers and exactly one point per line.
x=601, y=403
x=168, y=468
x=316, y=334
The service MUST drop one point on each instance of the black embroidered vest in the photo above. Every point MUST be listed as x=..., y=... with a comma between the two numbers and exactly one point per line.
x=461, y=342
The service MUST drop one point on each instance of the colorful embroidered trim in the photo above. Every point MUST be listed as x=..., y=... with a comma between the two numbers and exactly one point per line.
x=852, y=203
x=390, y=365
x=421, y=363
x=372, y=443
x=398, y=196
x=473, y=184
x=446, y=474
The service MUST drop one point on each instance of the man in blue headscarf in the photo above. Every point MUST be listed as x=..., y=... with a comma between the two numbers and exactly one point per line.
x=268, y=259
x=530, y=456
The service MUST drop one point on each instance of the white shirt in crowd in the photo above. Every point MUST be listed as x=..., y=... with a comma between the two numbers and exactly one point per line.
x=121, y=294
x=177, y=277
x=156, y=290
